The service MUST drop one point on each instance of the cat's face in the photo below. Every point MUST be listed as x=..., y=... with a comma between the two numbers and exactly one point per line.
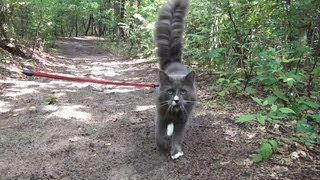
x=176, y=92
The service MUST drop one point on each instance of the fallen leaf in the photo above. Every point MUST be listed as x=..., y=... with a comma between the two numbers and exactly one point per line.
x=32, y=109
x=88, y=132
x=74, y=139
x=280, y=169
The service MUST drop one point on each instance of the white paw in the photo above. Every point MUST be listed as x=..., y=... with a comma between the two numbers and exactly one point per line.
x=176, y=156
x=170, y=128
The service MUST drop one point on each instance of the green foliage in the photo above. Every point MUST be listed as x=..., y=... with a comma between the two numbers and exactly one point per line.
x=246, y=118
x=5, y=59
x=265, y=50
x=306, y=133
x=128, y=25
x=267, y=148
x=227, y=86
x=141, y=22
x=286, y=110
x=88, y=132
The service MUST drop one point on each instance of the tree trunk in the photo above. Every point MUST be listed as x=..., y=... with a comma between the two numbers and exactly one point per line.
x=138, y=3
x=76, y=25
x=119, y=9
x=61, y=30
x=3, y=33
x=89, y=24
x=70, y=33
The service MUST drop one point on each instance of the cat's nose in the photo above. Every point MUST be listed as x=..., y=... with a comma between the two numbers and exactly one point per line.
x=176, y=99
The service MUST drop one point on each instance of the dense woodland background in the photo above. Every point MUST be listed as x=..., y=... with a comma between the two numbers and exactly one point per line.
x=267, y=51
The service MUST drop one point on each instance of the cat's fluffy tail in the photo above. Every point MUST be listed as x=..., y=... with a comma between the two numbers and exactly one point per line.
x=169, y=31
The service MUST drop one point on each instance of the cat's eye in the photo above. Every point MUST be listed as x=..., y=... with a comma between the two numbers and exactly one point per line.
x=183, y=91
x=170, y=91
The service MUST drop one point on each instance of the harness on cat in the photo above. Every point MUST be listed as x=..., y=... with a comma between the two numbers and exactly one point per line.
x=29, y=72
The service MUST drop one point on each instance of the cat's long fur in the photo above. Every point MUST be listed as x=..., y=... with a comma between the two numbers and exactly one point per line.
x=169, y=32
x=177, y=93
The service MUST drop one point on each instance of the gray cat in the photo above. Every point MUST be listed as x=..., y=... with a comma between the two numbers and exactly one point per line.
x=177, y=91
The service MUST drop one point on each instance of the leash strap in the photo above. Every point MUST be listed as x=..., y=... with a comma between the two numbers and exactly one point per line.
x=29, y=72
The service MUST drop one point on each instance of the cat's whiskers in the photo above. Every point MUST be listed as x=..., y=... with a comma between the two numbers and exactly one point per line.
x=168, y=109
x=163, y=103
x=184, y=111
x=187, y=101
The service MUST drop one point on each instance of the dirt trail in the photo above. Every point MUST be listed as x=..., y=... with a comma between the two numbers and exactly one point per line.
x=64, y=130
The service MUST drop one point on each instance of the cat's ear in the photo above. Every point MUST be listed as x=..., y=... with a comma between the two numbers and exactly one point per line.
x=163, y=77
x=190, y=77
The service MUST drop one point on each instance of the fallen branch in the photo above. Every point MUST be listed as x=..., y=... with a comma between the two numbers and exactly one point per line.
x=13, y=48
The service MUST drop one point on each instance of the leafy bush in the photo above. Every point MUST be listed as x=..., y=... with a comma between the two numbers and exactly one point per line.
x=265, y=50
x=267, y=148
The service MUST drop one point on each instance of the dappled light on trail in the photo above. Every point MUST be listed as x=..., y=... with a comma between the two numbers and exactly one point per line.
x=66, y=120
x=119, y=90
x=4, y=106
x=71, y=112
x=19, y=88
x=145, y=108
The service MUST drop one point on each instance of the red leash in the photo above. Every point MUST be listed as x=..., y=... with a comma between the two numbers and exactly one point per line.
x=29, y=72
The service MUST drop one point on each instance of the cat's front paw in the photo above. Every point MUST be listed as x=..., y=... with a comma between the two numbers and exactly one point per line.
x=176, y=155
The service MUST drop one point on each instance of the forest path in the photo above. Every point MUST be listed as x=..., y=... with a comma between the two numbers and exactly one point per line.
x=65, y=130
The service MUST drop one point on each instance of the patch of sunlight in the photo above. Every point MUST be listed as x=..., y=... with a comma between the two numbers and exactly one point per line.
x=118, y=90
x=12, y=68
x=229, y=131
x=144, y=108
x=50, y=108
x=68, y=66
x=136, y=61
x=73, y=84
x=18, y=83
x=62, y=92
x=70, y=112
x=19, y=109
x=69, y=84
x=52, y=63
x=24, y=87
x=250, y=135
x=78, y=38
x=15, y=92
x=86, y=38
x=129, y=69
x=82, y=58
x=102, y=71
x=137, y=79
x=59, y=94
x=4, y=106
x=61, y=57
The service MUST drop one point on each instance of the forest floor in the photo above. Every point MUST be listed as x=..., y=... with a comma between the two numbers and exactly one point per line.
x=51, y=129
